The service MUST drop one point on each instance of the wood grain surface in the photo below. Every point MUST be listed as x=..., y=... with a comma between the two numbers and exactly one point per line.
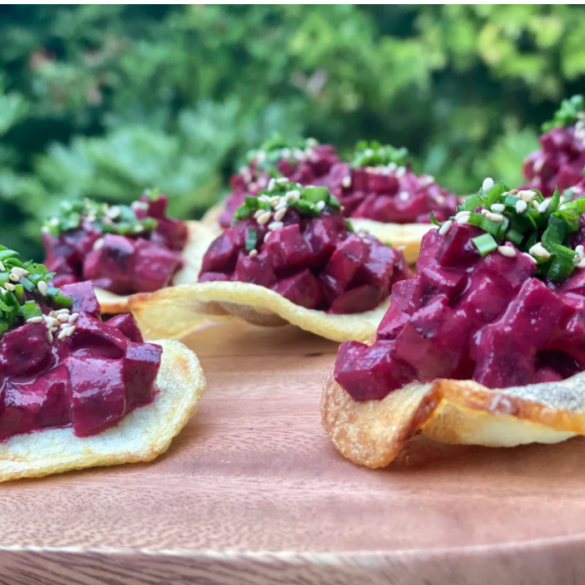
x=252, y=492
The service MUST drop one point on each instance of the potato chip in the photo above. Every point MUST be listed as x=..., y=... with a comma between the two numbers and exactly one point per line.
x=141, y=436
x=212, y=215
x=176, y=311
x=200, y=238
x=373, y=432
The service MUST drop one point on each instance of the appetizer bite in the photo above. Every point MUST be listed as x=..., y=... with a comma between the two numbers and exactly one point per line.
x=306, y=162
x=561, y=160
x=486, y=345
x=383, y=196
x=78, y=392
x=290, y=256
x=123, y=249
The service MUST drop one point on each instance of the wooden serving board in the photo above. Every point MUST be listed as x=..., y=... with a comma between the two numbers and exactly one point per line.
x=252, y=492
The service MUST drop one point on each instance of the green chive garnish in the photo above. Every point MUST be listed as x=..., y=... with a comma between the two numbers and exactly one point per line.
x=485, y=244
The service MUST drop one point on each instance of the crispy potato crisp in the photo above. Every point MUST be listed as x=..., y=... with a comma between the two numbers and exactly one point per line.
x=141, y=436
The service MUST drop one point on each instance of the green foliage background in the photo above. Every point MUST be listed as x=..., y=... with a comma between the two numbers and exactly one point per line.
x=103, y=101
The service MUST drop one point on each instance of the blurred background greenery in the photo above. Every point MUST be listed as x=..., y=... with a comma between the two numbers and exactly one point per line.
x=104, y=101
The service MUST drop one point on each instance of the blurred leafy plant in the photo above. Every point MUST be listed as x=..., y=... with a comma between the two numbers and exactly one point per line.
x=104, y=101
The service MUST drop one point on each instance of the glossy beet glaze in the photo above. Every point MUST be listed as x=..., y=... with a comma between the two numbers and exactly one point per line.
x=497, y=319
x=73, y=370
x=314, y=261
x=120, y=263
x=309, y=165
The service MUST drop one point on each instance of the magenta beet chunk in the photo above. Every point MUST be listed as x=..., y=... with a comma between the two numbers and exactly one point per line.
x=255, y=269
x=84, y=299
x=356, y=300
x=383, y=184
x=343, y=265
x=98, y=393
x=92, y=338
x=214, y=277
x=378, y=267
x=222, y=253
x=42, y=402
x=428, y=249
x=302, y=289
x=171, y=233
x=397, y=314
x=157, y=206
x=545, y=374
x=141, y=365
x=432, y=341
x=505, y=350
x=126, y=325
x=114, y=261
x=322, y=235
x=26, y=350
x=569, y=335
x=154, y=266
x=457, y=250
x=287, y=248
x=369, y=372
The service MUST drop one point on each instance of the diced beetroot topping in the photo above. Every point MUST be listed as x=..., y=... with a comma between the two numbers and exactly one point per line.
x=64, y=367
x=305, y=252
x=465, y=316
x=372, y=188
x=121, y=249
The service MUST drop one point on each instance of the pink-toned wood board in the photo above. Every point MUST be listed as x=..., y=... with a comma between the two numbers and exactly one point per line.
x=252, y=492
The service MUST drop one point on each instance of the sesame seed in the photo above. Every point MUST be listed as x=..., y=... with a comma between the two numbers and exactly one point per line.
x=258, y=213
x=261, y=156
x=280, y=214
x=444, y=229
x=253, y=253
x=275, y=225
x=368, y=152
x=61, y=311
x=542, y=207
x=274, y=201
x=294, y=195
x=2, y=267
x=98, y=244
x=499, y=207
x=580, y=250
x=9, y=286
x=400, y=172
x=320, y=205
x=63, y=318
x=535, y=204
x=264, y=218
x=62, y=334
x=487, y=184
x=527, y=195
x=507, y=251
x=494, y=217
x=14, y=278
x=20, y=272
x=440, y=199
x=521, y=206
x=70, y=331
x=35, y=320
x=282, y=180
x=391, y=167
x=462, y=215
x=50, y=336
x=73, y=317
x=346, y=181
x=562, y=207
x=43, y=288
x=271, y=184
x=403, y=195
x=539, y=251
x=581, y=263
x=537, y=167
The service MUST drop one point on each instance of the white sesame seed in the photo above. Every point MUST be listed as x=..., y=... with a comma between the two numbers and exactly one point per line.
x=426, y=180
x=580, y=250
x=9, y=286
x=527, y=195
x=260, y=156
x=73, y=317
x=391, y=167
x=400, y=172
x=61, y=311
x=271, y=184
x=293, y=195
x=253, y=253
x=320, y=205
x=280, y=214
x=535, y=204
x=54, y=221
x=462, y=215
x=14, y=278
x=507, y=251
x=275, y=225
x=50, y=336
x=499, y=207
x=2, y=267
x=264, y=218
x=521, y=206
x=537, y=167
x=62, y=334
x=258, y=213
x=539, y=251
x=63, y=318
x=581, y=263
x=70, y=331
x=494, y=217
x=368, y=152
x=346, y=181
x=38, y=319
x=487, y=184
x=282, y=180
x=43, y=288
x=20, y=272
x=403, y=195
x=274, y=201
x=440, y=199
x=98, y=244
x=444, y=229
x=562, y=207
x=542, y=207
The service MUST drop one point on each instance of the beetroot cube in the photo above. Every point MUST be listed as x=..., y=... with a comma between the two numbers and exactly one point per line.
x=287, y=248
x=91, y=337
x=255, y=269
x=98, y=393
x=302, y=289
x=157, y=206
x=84, y=299
x=356, y=300
x=322, y=235
x=153, y=266
x=141, y=365
x=26, y=351
x=126, y=325
x=222, y=253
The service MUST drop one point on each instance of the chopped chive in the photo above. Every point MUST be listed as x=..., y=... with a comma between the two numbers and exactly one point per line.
x=485, y=244
x=434, y=220
x=251, y=239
